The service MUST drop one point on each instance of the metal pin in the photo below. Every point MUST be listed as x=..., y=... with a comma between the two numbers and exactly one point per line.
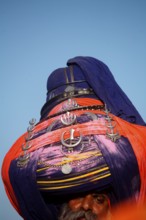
x=32, y=121
x=72, y=141
x=68, y=118
x=26, y=147
x=23, y=160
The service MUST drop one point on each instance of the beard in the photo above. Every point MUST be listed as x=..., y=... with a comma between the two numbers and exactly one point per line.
x=67, y=214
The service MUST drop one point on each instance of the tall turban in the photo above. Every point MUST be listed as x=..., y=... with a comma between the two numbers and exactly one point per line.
x=78, y=146
x=89, y=72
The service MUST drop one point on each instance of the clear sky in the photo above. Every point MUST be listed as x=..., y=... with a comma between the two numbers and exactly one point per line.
x=39, y=36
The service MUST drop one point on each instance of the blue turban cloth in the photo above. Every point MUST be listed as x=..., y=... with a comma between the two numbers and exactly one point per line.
x=96, y=75
x=41, y=186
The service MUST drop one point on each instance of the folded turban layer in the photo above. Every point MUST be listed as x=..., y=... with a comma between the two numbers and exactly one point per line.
x=88, y=72
x=78, y=146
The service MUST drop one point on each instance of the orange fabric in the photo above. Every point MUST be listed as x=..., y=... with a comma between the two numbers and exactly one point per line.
x=13, y=153
x=135, y=133
x=137, y=137
x=80, y=101
x=129, y=211
x=54, y=136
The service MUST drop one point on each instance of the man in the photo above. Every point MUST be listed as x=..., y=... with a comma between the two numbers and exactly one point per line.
x=91, y=206
x=79, y=155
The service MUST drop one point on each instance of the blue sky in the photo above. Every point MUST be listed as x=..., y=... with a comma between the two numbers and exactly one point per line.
x=39, y=36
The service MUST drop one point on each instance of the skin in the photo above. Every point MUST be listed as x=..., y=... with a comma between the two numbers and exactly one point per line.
x=97, y=203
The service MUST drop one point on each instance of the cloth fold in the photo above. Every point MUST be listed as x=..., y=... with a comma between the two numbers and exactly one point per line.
x=124, y=159
x=101, y=80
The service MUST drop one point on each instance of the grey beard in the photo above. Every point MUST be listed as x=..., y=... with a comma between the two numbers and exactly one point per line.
x=67, y=214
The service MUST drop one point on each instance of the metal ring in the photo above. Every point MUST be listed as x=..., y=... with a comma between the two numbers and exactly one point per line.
x=71, y=145
x=26, y=147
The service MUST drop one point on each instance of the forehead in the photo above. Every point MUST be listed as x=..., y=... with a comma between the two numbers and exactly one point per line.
x=59, y=200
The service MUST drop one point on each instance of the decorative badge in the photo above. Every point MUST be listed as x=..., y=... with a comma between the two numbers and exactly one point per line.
x=68, y=118
x=71, y=142
x=66, y=168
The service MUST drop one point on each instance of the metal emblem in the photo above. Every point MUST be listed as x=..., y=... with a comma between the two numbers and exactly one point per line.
x=113, y=136
x=106, y=110
x=108, y=118
x=68, y=118
x=30, y=128
x=66, y=168
x=71, y=142
x=26, y=147
x=69, y=89
x=69, y=104
x=29, y=136
x=23, y=160
x=32, y=121
x=110, y=125
x=32, y=125
x=50, y=127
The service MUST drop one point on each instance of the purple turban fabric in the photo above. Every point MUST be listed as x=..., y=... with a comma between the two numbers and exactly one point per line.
x=92, y=73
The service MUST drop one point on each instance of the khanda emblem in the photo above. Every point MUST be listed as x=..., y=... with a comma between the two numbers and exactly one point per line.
x=68, y=118
x=71, y=142
x=69, y=104
x=111, y=132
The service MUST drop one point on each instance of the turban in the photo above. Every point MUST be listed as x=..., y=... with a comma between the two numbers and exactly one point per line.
x=89, y=72
x=78, y=145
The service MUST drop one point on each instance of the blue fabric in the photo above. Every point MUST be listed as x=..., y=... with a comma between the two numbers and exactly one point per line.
x=30, y=201
x=58, y=78
x=57, y=84
x=98, y=77
x=124, y=169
